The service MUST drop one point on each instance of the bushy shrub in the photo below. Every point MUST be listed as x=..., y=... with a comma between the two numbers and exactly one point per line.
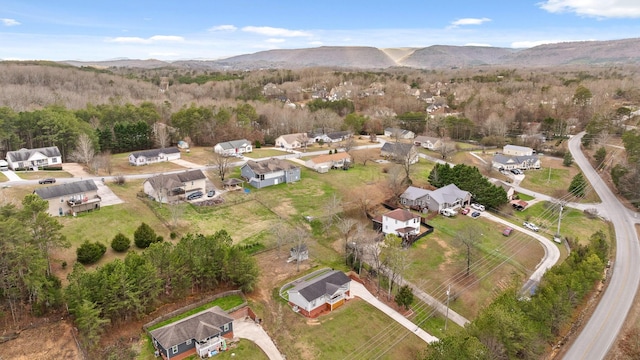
x=120, y=243
x=144, y=236
x=89, y=253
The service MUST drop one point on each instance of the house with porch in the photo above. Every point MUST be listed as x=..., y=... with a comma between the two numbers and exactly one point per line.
x=400, y=152
x=322, y=163
x=167, y=188
x=233, y=148
x=510, y=162
x=29, y=159
x=399, y=133
x=415, y=197
x=269, y=172
x=447, y=197
x=147, y=157
x=320, y=294
x=292, y=141
x=203, y=334
x=70, y=198
x=400, y=222
x=427, y=142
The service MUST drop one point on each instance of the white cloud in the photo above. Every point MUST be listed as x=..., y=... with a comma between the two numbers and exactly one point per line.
x=271, y=31
x=272, y=40
x=223, y=28
x=150, y=40
x=9, y=22
x=470, y=21
x=594, y=8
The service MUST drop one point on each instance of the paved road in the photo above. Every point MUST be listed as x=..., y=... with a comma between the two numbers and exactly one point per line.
x=248, y=329
x=605, y=323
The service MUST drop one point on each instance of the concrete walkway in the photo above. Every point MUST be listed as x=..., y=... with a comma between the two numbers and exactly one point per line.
x=12, y=176
x=250, y=330
x=360, y=291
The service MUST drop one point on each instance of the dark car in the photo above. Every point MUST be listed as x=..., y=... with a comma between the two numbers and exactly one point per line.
x=195, y=195
x=211, y=193
x=47, y=181
x=475, y=214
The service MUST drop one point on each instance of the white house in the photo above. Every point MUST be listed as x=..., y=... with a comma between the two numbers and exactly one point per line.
x=154, y=156
x=401, y=222
x=320, y=294
x=522, y=162
x=322, y=163
x=71, y=197
x=427, y=142
x=515, y=150
x=34, y=158
x=399, y=133
x=234, y=147
x=292, y=141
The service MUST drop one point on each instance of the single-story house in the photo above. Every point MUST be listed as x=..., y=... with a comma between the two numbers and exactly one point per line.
x=400, y=152
x=400, y=222
x=338, y=136
x=269, y=172
x=322, y=163
x=292, y=141
x=70, y=198
x=234, y=147
x=34, y=158
x=326, y=292
x=147, y=157
x=167, y=188
x=399, y=133
x=447, y=197
x=203, y=334
x=523, y=162
x=415, y=197
x=508, y=188
x=427, y=142
x=515, y=150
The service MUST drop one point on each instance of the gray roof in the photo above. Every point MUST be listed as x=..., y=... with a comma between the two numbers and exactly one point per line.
x=414, y=193
x=155, y=152
x=338, y=135
x=25, y=154
x=397, y=149
x=199, y=327
x=517, y=148
x=326, y=284
x=170, y=181
x=448, y=194
x=72, y=188
x=506, y=159
x=422, y=138
x=234, y=144
x=269, y=166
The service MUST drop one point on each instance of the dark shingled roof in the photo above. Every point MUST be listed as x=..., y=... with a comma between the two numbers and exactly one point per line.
x=328, y=284
x=401, y=215
x=57, y=191
x=25, y=154
x=269, y=166
x=155, y=152
x=234, y=144
x=199, y=327
x=397, y=149
x=170, y=181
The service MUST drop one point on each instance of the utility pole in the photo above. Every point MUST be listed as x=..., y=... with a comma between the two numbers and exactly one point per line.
x=557, y=237
x=446, y=318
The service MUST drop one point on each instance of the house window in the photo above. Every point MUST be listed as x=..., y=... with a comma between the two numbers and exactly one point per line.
x=54, y=160
x=174, y=349
x=225, y=327
x=188, y=342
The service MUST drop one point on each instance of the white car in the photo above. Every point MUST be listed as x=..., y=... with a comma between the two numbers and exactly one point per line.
x=477, y=206
x=448, y=212
x=530, y=226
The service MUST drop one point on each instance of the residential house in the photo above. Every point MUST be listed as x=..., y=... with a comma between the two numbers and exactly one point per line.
x=415, y=197
x=147, y=157
x=292, y=141
x=319, y=294
x=508, y=188
x=338, y=136
x=447, y=197
x=233, y=148
x=322, y=163
x=400, y=222
x=269, y=172
x=400, y=152
x=427, y=142
x=514, y=150
x=34, y=158
x=399, y=133
x=201, y=334
x=167, y=188
x=505, y=162
x=70, y=198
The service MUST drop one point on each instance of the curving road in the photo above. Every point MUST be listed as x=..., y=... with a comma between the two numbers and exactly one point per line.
x=605, y=323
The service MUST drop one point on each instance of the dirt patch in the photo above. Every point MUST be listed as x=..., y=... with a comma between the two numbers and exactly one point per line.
x=76, y=170
x=448, y=253
x=47, y=341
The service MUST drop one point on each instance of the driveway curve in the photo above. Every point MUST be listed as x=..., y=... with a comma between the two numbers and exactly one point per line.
x=250, y=330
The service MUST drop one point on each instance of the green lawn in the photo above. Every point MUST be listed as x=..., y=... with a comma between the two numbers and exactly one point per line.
x=43, y=174
x=264, y=152
x=226, y=303
x=243, y=349
x=554, y=181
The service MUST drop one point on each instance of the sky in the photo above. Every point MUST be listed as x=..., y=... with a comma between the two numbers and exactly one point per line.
x=214, y=29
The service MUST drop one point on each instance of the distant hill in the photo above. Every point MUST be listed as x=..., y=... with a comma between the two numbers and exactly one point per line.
x=626, y=51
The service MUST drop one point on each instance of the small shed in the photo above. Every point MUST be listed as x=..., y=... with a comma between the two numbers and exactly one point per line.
x=299, y=253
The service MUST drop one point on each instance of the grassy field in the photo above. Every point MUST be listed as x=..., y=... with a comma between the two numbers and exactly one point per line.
x=37, y=175
x=264, y=152
x=225, y=303
x=243, y=349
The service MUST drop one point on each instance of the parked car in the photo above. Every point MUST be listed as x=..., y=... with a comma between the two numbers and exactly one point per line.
x=448, y=212
x=516, y=172
x=475, y=214
x=477, y=206
x=465, y=211
x=517, y=207
x=195, y=195
x=211, y=193
x=507, y=231
x=530, y=226
x=47, y=181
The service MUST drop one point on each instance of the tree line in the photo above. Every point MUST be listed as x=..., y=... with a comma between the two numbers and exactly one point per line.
x=470, y=179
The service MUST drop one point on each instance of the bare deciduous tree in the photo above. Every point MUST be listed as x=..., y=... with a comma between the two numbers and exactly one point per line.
x=161, y=135
x=468, y=237
x=446, y=149
x=84, y=151
x=176, y=210
x=222, y=164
